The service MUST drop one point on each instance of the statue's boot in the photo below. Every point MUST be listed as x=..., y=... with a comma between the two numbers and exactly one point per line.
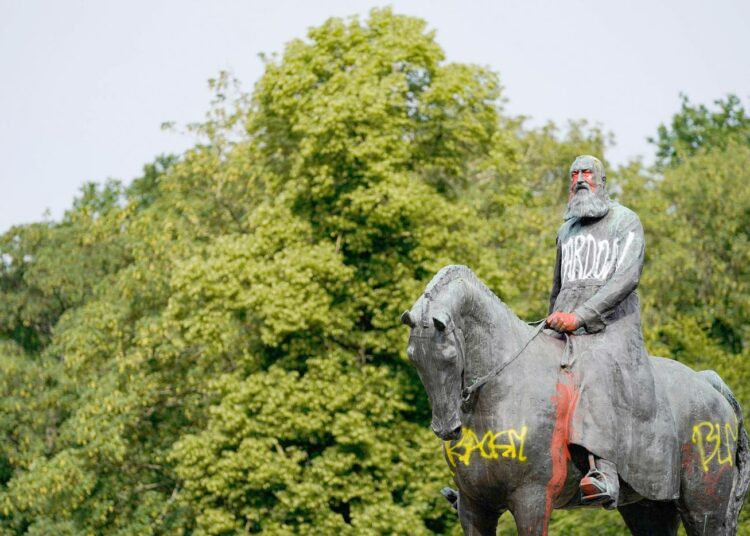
x=601, y=484
x=451, y=495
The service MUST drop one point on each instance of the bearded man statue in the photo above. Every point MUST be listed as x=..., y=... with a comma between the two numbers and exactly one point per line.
x=621, y=421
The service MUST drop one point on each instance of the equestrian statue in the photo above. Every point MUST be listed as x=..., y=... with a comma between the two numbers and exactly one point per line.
x=577, y=414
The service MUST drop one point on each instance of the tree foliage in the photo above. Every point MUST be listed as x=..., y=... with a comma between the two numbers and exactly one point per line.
x=696, y=127
x=215, y=348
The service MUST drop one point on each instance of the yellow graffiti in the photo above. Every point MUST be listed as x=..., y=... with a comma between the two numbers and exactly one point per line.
x=506, y=443
x=707, y=437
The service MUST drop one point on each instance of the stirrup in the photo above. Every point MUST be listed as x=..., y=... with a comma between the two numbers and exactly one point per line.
x=595, y=490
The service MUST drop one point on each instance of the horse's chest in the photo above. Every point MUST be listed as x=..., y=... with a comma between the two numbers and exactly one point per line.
x=505, y=446
x=493, y=457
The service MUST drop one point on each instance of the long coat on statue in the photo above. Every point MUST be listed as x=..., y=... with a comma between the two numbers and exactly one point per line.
x=621, y=415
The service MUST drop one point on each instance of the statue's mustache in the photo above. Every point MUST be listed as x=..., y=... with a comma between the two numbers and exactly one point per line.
x=585, y=202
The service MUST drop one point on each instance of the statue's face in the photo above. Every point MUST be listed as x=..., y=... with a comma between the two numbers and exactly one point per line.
x=585, y=175
x=582, y=179
x=587, y=193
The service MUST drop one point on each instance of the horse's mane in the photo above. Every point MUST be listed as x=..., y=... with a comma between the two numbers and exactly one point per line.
x=453, y=272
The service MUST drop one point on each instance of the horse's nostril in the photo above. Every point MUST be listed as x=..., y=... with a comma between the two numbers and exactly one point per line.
x=455, y=433
x=445, y=435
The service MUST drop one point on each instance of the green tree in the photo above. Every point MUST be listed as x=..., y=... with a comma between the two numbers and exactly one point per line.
x=696, y=127
x=215, y=349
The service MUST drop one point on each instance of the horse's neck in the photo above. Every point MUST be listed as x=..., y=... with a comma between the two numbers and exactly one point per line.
x=493, y=333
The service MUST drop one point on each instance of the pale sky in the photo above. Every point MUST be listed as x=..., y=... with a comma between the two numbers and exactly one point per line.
x=85, y=85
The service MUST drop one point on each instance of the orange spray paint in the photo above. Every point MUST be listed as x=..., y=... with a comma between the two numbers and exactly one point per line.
x=565, y=402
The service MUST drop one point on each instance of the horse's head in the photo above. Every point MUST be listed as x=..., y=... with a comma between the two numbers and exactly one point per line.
x=436, y=347
x=456, y=304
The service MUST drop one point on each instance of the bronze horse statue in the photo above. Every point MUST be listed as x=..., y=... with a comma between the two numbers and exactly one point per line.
x=506, y=445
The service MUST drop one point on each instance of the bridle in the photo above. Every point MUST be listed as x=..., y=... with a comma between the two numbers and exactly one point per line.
x=467, y=391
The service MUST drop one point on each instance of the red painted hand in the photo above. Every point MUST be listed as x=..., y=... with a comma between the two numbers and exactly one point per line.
x=564, y=322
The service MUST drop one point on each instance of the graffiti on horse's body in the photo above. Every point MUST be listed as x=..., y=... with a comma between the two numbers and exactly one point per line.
x=493, y=445
x=509, y=444
x=511, y=456
x=707, y=437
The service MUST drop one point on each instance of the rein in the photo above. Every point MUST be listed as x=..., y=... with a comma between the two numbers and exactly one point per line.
x=466, y=392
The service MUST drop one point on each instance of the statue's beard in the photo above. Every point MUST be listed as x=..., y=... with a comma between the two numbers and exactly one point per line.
x=588, y=204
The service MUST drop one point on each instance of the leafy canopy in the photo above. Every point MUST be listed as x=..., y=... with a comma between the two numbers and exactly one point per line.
x=215, y=348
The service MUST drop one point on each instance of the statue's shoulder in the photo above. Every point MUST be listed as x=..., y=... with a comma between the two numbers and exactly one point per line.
x=564, y=231
x=619, y=211
x=621, y=217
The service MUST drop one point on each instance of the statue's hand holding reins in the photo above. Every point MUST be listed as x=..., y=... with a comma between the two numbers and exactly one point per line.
x=564, y=322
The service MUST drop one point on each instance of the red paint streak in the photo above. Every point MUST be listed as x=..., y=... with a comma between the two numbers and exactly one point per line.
x=565, y=402
x=691, y=463
x=688, y=459
x=711, y=481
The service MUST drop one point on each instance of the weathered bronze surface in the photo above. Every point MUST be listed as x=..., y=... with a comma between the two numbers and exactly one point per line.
x=509, y=449
x=669, y=443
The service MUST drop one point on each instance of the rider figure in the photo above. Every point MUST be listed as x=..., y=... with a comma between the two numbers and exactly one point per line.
x=619, y=416
x=600, y=252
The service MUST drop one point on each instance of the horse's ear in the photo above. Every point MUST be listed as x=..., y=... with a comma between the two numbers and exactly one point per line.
x=406, y=319
x=440, y=321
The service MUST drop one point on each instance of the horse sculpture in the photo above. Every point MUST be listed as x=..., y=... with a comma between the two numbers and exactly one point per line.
x=506, y=445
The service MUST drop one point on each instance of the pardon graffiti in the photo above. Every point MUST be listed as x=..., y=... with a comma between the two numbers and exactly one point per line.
x=707, y=437
x=584, y=257
x=493, y=445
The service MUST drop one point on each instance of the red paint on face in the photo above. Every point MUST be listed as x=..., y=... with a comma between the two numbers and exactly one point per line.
x=565, y=402
x=586, y=176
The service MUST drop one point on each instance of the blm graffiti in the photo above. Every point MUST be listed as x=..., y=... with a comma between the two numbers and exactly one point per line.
x=707, y=436
x=585, y=257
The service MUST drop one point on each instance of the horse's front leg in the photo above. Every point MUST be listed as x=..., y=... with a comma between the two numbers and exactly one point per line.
x=475, y=518
x=528, y=505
